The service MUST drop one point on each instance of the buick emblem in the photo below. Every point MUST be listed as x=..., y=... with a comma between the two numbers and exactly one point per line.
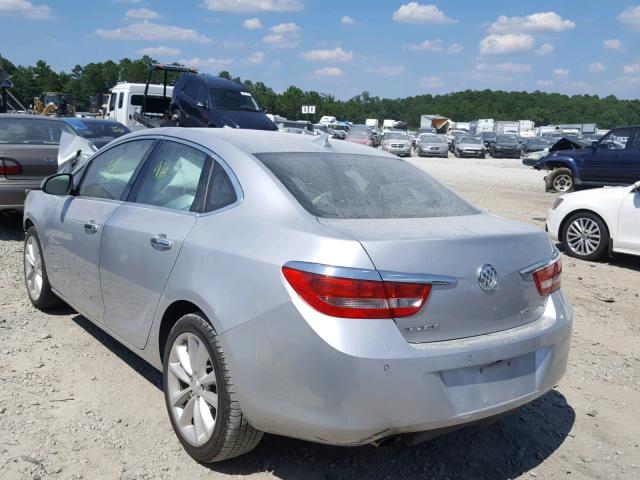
x=487, y=277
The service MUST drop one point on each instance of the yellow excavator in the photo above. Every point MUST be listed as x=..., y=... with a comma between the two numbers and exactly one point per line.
x=54, y=103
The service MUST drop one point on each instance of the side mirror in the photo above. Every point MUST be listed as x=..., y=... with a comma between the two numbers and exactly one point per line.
x=636, y=187
x=201, y=105
x=58, y=184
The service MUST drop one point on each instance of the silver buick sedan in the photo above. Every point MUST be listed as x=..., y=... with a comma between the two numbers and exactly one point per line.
x=299, y=286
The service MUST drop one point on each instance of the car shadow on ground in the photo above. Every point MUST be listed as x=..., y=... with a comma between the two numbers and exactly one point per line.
x=620, y=260
x=11, y=226
x=514, y=445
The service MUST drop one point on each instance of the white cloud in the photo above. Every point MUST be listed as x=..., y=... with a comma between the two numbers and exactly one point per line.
x=578, y=85
x=545, y=83
x=253, y=6
x=152, y=32
x=506, y=67
x=597, y=67
x=24, y=8
x=631, y=17
x=252, y=23
x=388, y=70
x=256, y=58
x=431, y=82
x=509, y=43
x=613, y=44
x=435, y=45
x=337, y=55
x=633, y=68
x=561, y=72
x=159, y=51
x=328, y=72
x=283, y=35
x=536, y=22
x=545, y=49
x=346, y=20
x=207, y=63
x=413, y=12
x=142, y=14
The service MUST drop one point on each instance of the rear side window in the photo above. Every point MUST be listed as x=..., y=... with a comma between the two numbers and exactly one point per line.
x=32, y=131
x=173, y=178
x=330, y=185
x=109, y=173
x=221, y=192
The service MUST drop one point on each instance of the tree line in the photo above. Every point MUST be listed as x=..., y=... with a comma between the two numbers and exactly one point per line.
x=92, y=79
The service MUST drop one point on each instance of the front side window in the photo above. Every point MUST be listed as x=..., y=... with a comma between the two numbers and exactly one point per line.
x=32, y=131
x=347, y=186
x=109, y=173
x=120, y=99
x=173, y=178
x=616, y=140
x=112, y=102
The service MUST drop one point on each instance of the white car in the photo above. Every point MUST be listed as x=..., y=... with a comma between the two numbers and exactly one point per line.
x=592, y=223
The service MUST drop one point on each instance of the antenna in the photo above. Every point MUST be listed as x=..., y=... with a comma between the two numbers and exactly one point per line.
x=323, y=140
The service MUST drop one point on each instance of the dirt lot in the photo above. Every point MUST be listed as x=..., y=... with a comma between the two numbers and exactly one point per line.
x=76, y=404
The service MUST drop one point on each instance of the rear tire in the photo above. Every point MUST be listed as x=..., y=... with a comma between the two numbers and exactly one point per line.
x=198, y=384
x=585, y=236
x=35, y=274
x=560, y=180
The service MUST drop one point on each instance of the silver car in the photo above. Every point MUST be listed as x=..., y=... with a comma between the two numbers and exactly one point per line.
x=299, y=286
x=432, y=145
x=469, y=147
x=397, y=143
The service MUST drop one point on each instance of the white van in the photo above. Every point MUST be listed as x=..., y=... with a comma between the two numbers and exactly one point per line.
x=126, y=98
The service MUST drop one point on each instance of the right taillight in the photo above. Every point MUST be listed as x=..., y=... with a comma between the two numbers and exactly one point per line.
x=354, y=298
x=9, y=167
x=548, y=278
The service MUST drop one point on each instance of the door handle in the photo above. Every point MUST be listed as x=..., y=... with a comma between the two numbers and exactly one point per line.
x=90, y=228
x=160, y=242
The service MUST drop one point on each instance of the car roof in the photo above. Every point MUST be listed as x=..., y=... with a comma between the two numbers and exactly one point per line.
x=259, y=141
x=217, y=81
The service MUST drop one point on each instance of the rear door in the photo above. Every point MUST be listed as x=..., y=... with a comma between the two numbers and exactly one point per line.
x=629, y=223
x=74, y=232
x=142, y=239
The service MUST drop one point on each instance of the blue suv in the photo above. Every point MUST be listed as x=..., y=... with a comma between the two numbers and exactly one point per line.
x=612, y=160
x=208, y=101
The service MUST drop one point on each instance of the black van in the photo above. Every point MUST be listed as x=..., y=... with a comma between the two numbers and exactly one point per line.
x=208, y=101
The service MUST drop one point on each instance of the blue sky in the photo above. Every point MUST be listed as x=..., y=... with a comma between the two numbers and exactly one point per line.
x=388, y=48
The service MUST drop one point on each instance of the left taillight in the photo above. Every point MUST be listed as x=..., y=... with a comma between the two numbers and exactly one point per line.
x=548, y=278
x=354, y=298
x=10, y=167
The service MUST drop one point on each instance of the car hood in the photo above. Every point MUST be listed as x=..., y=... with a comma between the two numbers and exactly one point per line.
x=245, y=119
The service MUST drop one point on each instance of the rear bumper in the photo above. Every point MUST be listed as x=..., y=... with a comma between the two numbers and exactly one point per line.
x=13, y=193
x=351, y=382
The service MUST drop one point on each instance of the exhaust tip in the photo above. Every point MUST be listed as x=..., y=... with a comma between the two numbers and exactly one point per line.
x=386, y=441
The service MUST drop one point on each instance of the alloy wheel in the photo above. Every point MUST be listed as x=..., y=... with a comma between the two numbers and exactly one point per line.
x=563, y=183
x=583, y=236
x=192, y=389
x=33, y=268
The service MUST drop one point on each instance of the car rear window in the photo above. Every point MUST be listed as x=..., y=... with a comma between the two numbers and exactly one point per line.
x=32, y=131
x=347, y=186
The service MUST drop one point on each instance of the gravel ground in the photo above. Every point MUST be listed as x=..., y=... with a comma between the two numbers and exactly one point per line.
x=76, y=404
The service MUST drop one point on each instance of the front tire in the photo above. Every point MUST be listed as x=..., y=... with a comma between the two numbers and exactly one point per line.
x=560, y=180
x=200, y=396
x=585, y=236
x=35, y=273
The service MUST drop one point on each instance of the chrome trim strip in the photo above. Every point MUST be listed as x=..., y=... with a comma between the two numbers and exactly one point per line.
x=342, y=272
x=541, y=264
x=418, y=278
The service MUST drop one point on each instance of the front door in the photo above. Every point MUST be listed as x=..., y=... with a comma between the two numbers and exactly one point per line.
x=75, y=228
x=614, y=159
x=629, y=223
x=142, y=240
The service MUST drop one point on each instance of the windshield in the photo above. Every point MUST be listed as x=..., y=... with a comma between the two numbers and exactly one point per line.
x=396, y=136
x=430, y=139
x=358, y=134
x=233, y=100
x=506, y=138
x=471, y=140
x=346, y=186
x=97, y=128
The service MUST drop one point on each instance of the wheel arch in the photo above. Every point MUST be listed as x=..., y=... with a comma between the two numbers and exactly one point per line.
x=583, y=210
x=171, y=315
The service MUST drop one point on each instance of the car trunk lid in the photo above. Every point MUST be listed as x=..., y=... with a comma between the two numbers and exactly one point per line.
x=36, y=161
x=458, y=247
